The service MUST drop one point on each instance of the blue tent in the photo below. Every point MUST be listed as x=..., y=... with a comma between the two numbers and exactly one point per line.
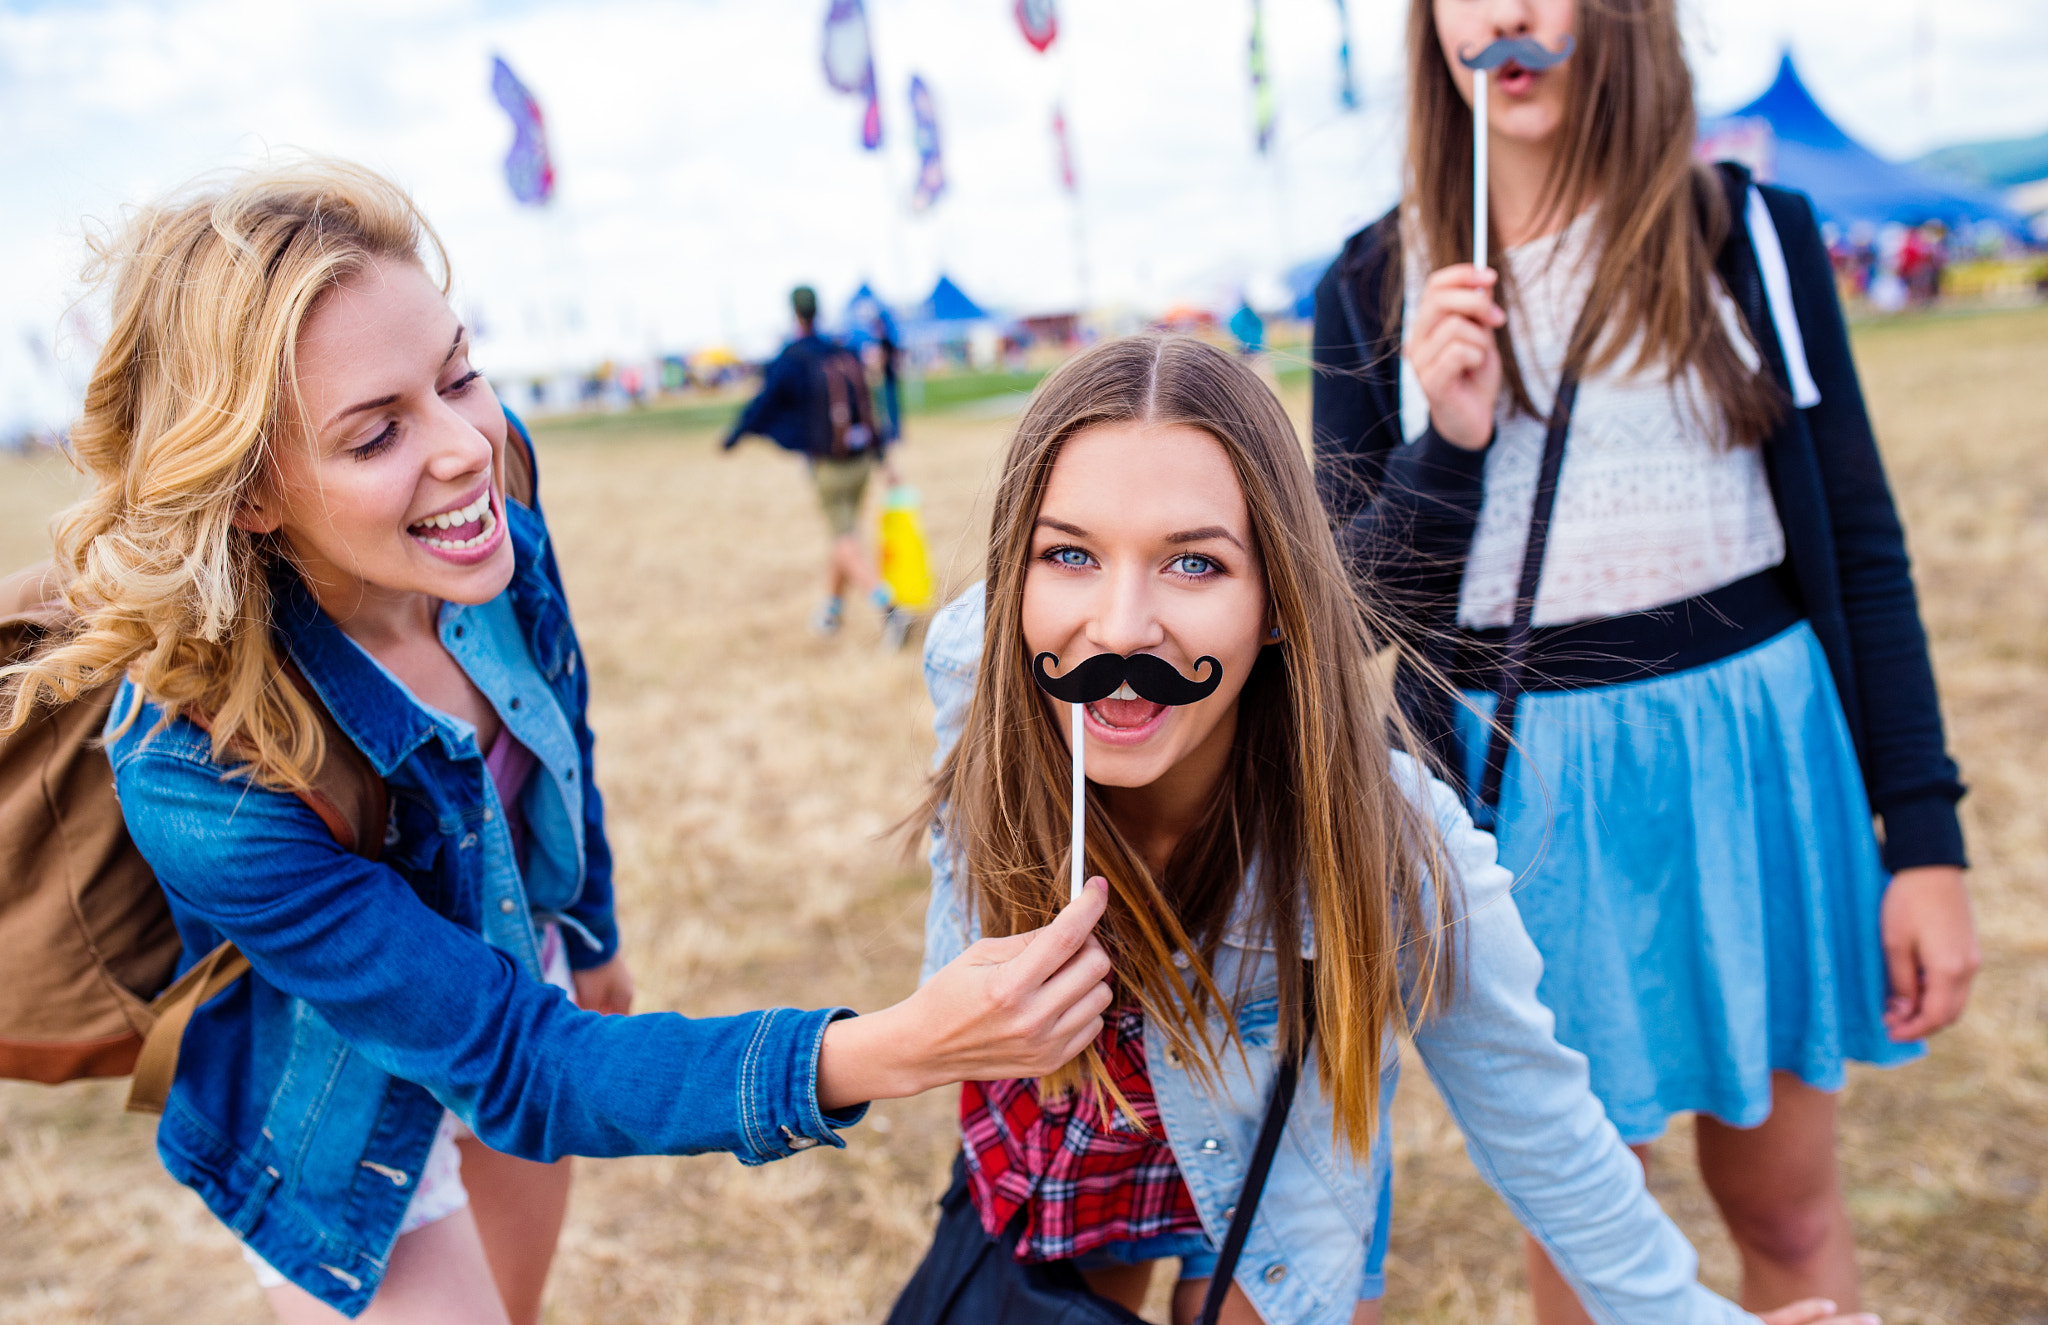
x=949, y=303
x=1787, y=138
x=863, y=311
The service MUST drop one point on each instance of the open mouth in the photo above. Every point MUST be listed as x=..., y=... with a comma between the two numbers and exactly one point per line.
x=1513, y=77
x=1124, y=711
x=461, y=530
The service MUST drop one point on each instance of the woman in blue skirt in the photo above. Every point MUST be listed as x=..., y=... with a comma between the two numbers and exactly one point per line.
x=1621, y=488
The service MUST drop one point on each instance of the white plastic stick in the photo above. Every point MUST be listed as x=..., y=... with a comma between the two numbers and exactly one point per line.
x=1479, y=168
x=1080, y=807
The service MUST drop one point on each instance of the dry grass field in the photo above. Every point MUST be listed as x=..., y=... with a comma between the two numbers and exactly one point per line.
x=753, y=773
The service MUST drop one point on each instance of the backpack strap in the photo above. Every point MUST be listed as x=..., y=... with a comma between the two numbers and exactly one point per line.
x=1263, y=1150
x=354, y=805
x=1763, y=291
x=521, y=478
x=157, y=1065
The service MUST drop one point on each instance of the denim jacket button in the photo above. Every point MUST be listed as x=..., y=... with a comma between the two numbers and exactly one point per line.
x=1275, y=1273
x=468, y=841
x=1173, y=1057
x=797, y=1141
x=1211, y=1146
x=508, y=906
x=489, y=814
x=1180, y=959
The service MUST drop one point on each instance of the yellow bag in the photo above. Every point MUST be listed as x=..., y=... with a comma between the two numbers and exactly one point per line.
x=905, y=567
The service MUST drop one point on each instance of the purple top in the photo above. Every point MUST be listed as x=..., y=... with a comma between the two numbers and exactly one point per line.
x=510, y=764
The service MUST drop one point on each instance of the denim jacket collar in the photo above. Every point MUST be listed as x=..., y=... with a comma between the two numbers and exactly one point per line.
x=367, y=703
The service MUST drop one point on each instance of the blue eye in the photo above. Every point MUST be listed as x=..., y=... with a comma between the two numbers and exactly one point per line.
x=1071, y=557
x=1193, y=564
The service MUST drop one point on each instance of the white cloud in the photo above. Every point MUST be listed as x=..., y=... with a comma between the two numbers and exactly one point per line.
x=705, y=167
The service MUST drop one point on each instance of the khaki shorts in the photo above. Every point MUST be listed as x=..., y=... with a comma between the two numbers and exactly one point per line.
x=841, y=484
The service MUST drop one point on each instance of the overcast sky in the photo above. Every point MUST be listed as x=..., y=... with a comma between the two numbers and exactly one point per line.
x=704, y=167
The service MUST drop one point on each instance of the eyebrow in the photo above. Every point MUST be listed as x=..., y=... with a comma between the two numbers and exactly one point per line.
x=1207, y=531
x=381, y=401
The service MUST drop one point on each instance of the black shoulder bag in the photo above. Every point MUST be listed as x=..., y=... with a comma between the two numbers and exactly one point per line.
x=969, y=1278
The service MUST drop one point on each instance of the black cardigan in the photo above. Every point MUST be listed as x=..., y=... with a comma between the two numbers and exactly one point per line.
x=1405, y=512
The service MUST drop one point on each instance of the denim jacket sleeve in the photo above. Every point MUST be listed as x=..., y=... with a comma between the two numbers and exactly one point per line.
x=952, y=653
x=428, y=1001
x=1526, y=1108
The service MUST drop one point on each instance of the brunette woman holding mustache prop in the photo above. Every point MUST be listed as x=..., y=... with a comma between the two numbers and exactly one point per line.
x=1287, y=891
x=1620, y=485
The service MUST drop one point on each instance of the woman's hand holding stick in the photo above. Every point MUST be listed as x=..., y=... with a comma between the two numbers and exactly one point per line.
x=1455, y=356
x=1010, y=1007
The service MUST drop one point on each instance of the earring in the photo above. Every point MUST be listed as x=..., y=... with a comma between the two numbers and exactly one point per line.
x=1273, y=634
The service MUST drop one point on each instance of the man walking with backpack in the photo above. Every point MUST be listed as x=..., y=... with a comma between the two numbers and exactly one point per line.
x=815, y=400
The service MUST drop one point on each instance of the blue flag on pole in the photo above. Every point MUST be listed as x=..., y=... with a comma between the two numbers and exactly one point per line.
x=1347, y=85
x=528, y=169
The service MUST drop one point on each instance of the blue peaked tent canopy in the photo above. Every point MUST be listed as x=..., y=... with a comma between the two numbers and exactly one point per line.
x=1790, y=140
x=949, y=303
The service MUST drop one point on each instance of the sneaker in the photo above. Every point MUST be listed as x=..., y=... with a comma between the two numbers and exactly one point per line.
x=825, y=621
x=896, y=625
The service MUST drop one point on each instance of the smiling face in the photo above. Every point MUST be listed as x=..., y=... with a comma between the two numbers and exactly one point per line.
x=389, y=493
x=1522, y=105
x=1143, y=544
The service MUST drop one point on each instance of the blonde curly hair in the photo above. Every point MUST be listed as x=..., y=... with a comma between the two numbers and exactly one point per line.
x=194, y=388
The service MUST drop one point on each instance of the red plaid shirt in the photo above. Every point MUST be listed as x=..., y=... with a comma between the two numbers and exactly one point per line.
x=1084, y=1186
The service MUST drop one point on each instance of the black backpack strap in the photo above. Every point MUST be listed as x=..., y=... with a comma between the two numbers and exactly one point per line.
x=1254, y=1182
x=1514, y=668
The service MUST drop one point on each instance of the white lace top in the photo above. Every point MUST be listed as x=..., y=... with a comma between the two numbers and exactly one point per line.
x=1653, y=506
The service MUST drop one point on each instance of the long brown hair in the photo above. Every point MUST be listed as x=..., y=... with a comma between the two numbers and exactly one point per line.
x=195, y=387
x=1308, y=806
x=1626, y=143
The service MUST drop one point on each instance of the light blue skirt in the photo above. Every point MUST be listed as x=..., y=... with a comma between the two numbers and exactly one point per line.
x=1694, y=857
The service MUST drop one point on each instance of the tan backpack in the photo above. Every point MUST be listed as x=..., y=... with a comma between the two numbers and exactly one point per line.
x=87, y=931
x=79, y=908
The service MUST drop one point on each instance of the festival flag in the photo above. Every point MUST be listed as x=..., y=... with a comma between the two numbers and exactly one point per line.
x=1262, y=84
x=931, y=166
x=1059, y=136
x=850, y=63
x=528, y=169
x=1040, y=21
x=1347, y=86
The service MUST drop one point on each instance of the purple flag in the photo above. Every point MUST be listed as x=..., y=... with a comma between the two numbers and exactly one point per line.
x=528, y=169
x=931, y=166
x=850, y=63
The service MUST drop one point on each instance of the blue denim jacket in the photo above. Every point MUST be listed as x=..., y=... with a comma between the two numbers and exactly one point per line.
x=1531, y=1123
x=308, y=1093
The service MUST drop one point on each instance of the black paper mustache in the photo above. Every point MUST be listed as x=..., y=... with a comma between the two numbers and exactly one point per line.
x=1151, y=676
x=1524, y=51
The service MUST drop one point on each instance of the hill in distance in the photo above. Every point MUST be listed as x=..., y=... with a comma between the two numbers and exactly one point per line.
x=2001, y=163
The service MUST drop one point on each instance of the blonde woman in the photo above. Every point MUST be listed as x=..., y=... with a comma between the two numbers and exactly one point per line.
x=296, y=465
x=1283, y=881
